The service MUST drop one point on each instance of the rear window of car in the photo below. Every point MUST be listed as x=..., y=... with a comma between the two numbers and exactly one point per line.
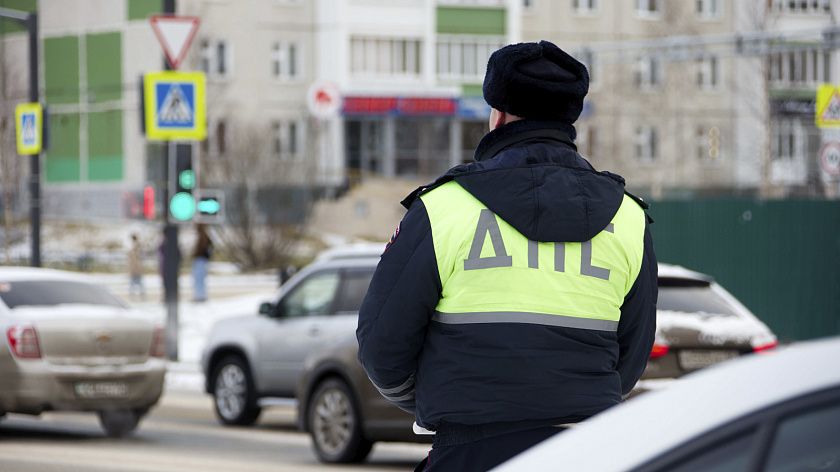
x=691, y=296
x=52, y=293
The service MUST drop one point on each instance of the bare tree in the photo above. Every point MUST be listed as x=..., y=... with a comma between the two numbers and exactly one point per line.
x=254, y=236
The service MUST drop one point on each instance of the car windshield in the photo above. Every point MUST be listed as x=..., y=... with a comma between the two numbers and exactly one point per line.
x=690, y=296
x=52, y=292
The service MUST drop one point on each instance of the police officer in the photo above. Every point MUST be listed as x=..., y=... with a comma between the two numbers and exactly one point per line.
x=518, y=294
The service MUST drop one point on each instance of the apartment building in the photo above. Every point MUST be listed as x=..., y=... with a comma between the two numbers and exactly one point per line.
x=95, y=164
x=410, y=73
x=677, y=104
x=679, y=107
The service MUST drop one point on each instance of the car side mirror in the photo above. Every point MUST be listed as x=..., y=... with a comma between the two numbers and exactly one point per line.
x=268, y=309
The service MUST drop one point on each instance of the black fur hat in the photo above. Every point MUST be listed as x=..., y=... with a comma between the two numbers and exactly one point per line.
x=536, y=81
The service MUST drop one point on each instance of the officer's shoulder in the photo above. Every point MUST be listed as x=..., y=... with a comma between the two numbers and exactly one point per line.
x=641, y=203
x=638, y=200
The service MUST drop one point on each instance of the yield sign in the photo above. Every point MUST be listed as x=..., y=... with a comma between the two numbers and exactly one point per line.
x=175, y=34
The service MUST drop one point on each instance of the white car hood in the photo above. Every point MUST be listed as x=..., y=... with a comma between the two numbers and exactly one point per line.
x=632, y=433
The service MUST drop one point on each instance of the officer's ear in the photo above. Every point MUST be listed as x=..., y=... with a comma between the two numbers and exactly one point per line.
x=499, y=118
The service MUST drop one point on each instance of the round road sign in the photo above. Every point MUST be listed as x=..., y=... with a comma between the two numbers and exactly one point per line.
x=323, y=99
x=830, y=157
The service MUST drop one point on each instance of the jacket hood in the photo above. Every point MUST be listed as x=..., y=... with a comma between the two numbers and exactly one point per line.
x=530, y=175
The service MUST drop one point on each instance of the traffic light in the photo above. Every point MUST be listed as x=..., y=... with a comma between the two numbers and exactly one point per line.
x=182, y=182
x=149, y=202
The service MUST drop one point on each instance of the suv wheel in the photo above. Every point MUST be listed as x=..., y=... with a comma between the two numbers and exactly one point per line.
x=233, y=392
x=336, y=425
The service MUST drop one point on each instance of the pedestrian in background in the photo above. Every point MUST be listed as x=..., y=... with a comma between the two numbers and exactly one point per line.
x=518, y=294
x=135, y=269
x=201, y=257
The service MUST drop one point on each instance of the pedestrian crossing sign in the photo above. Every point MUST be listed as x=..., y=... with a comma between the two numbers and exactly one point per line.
x=28, y=119
x=828, y=106
x=174, y=106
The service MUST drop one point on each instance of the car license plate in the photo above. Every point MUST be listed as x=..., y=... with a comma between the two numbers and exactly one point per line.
x=115, y=389
x=693, y=359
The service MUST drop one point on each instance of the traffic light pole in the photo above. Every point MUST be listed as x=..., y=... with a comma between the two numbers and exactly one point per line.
x=171, y=263
x=171, y=253
x=35, y=159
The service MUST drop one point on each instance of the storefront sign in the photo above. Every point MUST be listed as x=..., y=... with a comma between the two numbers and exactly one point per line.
x=400, y=106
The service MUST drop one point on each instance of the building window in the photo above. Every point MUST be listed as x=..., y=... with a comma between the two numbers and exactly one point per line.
x=708, y=143
x=648, y=8
x=787, y=139
x=708, y=8
x=646, y=142
x=708, y=73
x=471, y=134
x=285, y=61
x=459, y=59
x=218, y=139
x=587, y=142
x=384, y=57
x=805, y=68
x=800, y=6
x=285, y=140
x=585, y=6
x=216, y=58
x=648, y=73
x=590, y=60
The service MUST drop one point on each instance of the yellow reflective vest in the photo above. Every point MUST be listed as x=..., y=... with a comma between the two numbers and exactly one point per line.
x=490, y=273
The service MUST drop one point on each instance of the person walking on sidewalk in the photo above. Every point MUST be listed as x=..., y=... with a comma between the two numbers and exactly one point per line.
x=135, y=269
x=201, y=257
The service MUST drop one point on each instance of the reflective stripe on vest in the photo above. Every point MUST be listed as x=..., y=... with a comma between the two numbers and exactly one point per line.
x=490, y=273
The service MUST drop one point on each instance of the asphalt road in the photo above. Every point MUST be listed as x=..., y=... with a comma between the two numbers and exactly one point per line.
x=179, y=434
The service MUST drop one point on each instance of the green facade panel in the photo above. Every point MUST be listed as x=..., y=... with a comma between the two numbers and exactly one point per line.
x=472, y=90
x=105, y=150
x=13, y=26
x=61, y=74
x=457, y=20
x=63, y=157
x=106, y=168
x=141, y=9
x=104, y=67
x=780, y=258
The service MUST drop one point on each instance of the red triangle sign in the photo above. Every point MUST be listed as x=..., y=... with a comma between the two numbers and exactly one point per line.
x=175, y=34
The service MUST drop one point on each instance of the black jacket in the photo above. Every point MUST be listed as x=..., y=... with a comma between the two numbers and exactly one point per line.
x=473, y=381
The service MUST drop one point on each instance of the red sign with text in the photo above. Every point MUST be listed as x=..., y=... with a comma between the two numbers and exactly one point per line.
x=399, y=106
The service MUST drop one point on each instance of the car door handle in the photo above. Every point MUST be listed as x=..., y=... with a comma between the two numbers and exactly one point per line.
x=315, y=331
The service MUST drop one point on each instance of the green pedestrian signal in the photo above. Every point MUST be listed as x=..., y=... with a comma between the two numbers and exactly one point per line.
x=182, y=206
